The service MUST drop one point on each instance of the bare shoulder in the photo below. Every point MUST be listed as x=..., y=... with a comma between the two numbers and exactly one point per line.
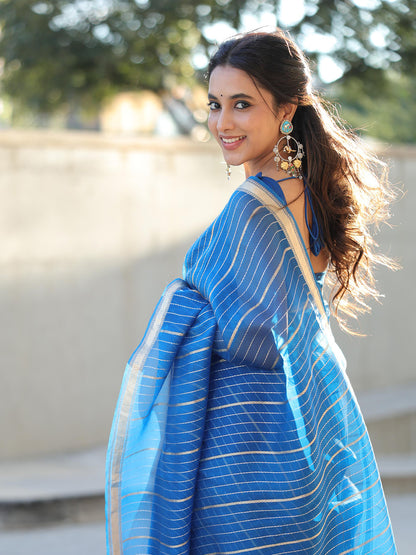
x=294, y=192
x=292, y=189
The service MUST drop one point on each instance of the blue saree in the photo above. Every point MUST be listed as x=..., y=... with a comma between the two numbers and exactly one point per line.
x=236, y=430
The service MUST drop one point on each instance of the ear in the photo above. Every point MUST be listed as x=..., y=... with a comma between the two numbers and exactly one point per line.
x=287, y=111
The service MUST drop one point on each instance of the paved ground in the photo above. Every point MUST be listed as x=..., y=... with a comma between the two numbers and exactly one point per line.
x=89, y=539
x=75, y=539
x=68, y=475
x=403, y=516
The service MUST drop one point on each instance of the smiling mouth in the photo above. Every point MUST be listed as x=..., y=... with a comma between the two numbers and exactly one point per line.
x=230, y=140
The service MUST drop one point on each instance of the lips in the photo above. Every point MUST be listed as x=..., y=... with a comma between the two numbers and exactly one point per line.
x=230, y=143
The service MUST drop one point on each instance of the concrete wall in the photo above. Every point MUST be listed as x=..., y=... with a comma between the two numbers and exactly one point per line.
x=92, y=228
x=385, y=357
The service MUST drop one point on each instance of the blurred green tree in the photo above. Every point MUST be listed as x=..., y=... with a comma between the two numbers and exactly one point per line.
x=59, y=51
x=62, y=53
x=389, y=116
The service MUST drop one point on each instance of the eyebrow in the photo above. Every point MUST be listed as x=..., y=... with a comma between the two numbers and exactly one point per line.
x=232, y=97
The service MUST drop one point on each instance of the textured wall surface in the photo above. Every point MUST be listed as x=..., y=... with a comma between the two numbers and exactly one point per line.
x=384, y=357
x=92, y=228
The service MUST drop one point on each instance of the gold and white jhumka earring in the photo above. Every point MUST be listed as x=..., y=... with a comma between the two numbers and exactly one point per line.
x=287, y=158
x=228, y=171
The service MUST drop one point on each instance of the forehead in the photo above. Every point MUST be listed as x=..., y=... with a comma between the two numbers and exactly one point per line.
x=228, y=81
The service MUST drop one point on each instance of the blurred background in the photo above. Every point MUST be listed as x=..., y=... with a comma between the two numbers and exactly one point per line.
x=108, y=175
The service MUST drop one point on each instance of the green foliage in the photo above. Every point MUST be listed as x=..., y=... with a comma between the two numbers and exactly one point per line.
x=388, y=117
x=56, y=51
x=369, y=35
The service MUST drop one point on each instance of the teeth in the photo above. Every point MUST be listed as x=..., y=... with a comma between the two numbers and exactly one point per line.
x=234, y=140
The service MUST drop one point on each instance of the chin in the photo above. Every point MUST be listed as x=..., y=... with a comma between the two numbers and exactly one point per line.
x=234, y=160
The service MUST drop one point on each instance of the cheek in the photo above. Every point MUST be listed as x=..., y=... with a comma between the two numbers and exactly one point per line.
x=212, y=122
x=252, y=122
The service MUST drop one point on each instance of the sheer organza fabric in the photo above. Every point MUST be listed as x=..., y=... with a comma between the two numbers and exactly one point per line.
x=236, y=429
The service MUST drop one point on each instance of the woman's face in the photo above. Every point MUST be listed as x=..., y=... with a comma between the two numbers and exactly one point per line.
x=243, y=119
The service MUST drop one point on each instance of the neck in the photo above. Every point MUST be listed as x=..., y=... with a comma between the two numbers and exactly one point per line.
x=268, y=169
x=266, y=166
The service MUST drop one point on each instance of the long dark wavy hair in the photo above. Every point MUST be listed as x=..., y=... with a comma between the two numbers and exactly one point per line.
x=348, y=183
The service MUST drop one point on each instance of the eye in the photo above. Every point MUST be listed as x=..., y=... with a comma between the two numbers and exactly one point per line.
x=213, y=105
x=242, y=105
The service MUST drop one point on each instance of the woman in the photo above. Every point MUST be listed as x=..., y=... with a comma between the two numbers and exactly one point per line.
x=237, y=430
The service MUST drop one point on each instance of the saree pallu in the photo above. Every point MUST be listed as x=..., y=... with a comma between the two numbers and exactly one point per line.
x=236, y=430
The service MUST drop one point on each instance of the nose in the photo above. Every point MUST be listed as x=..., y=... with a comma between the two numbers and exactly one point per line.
x=225, y=121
